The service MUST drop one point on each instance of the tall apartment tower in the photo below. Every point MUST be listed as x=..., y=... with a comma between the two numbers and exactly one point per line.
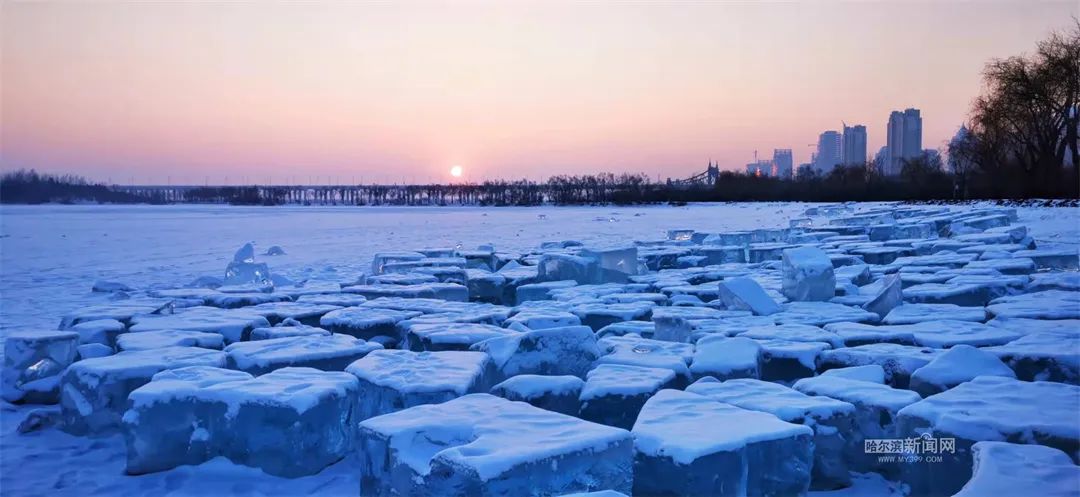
x=904, y=139
x=854, y=144
x=781, y=163
x=829, y=152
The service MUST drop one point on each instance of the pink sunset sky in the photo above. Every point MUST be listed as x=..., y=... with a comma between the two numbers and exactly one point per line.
x=383, y=92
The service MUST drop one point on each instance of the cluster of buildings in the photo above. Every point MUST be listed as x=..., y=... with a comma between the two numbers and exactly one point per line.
x=846, y=147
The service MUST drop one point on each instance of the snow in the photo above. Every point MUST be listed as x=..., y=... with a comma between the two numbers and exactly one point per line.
x=898, y=361
x=624, y=381
x=364, y=322
x=857, y=392
x=793, y=332
x=103, y=331
x=330, y=353
x=1049, y=304
x=808, y=274
x=530, y=386
x=957, y=365
x=39, y=267
x=870, y=372
x=485, y=442
x=822, y=313
x=287, y=328
x=783, y=402
x=569, y=350
x=450, y=336
x=685, y=426
x=726, y=358
x=746, y=294
x=1002, y=468
x=290, y=422
x=233, y=324
x=168, y=338
x=917, y=313
x=411, y=372
x=995, y=408
x=93, y=392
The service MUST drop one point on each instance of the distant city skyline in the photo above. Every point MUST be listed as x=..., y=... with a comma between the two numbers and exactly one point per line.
x=179, y=92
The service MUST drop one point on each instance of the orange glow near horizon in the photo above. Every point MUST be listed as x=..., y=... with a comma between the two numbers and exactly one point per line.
x=386, y=91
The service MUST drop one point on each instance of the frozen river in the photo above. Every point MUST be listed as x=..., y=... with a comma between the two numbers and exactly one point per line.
x=52, y=255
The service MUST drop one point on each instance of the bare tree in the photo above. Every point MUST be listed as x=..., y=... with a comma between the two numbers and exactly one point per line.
x=1025, y=122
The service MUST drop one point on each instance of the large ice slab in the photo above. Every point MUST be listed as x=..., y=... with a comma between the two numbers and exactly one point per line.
x=808, y=275
x=569, y=350
x=169, y=338
x=614, y=393
x=287, y=328
x=327, y=353
x=1042, y=356
x=33, y=363
x=689, y=444
x=536, y=319
x=898, y=361
x=598, y=315
x=876, y=408
x=637, y=351
x=955, y=366
x=1004, y=469
x=291, y=422
x=443, y=291
x=450, y=336
x=233, y=324
x=553, y=393
x=745, y=294
x=365, y=322
x=795, y=333
x=1049, y=304
x=304, y=312
x=94, y=392
x=855, y=334
x=482, y=445
x=987, y=408
x=726, y=358
x=167, y=425
x=121, y=310
x=391, y=380
x=917, y=313
x=822, y=313
x=832, y=420
x=103, y=331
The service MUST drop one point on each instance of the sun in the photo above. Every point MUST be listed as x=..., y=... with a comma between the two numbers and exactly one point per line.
x=455, y=171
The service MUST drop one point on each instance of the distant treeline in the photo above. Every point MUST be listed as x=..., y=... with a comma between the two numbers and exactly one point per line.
x=923, y=179
x=31, y=187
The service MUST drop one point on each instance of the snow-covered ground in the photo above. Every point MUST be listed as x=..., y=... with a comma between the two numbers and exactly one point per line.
x=51, y=256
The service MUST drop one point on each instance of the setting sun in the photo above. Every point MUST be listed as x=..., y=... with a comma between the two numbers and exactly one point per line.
x=455, y=171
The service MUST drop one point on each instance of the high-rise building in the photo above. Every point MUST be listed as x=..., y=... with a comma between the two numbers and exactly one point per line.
x=781, y=163
x=854, y=145
x=759, y=168
x=828, y=152
x=904, y=139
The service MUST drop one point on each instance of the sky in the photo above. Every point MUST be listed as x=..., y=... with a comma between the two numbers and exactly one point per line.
x=342, y=92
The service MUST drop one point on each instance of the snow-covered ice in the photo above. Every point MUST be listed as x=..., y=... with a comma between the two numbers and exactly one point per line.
x=484, y=445
x=690, y=444
x=391, y=380
x=877, y=326
x=987, y=408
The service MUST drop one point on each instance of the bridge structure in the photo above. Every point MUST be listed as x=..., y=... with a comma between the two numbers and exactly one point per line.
x=707, y=177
